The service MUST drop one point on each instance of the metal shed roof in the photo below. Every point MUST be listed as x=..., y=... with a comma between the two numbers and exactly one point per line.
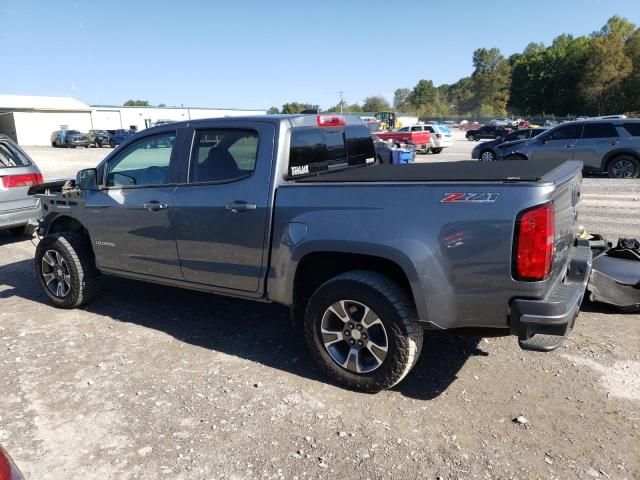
x=38, y=103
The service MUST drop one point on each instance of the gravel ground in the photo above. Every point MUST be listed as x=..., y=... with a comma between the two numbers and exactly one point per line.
x=152, y=382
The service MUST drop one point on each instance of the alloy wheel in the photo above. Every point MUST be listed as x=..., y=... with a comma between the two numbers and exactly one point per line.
x=623, y=168
x=487, y=156
x=354, y=336
x=56, y=274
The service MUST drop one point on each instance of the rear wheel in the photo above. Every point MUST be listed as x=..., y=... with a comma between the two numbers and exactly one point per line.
x=487, y=156
x=471, y=138
x=362, y=329
x=624, y=167
x=65, y=269
x=436, y=150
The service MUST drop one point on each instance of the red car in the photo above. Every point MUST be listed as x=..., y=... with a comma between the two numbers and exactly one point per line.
x=415, y=134
x=469, y=126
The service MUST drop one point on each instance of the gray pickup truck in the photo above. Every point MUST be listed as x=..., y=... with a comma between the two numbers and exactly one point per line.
x=294, y=209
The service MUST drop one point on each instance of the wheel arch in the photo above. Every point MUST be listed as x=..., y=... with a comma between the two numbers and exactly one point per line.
x=63, y=223
x=610, y=156
x=316, y=267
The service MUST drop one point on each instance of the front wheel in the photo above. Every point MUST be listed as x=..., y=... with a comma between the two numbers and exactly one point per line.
x=436, y=150
x=487, y=156
x=624, y=167
x=471, y=138
x=362, y=329
x=65, y=269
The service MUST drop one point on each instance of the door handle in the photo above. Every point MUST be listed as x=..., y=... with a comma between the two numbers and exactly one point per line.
x=568, y=146
x=154, y=206
x=240, y=206
x=614, y=143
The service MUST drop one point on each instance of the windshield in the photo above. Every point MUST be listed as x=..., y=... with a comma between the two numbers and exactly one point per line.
x=72, y=132
x=11, y=156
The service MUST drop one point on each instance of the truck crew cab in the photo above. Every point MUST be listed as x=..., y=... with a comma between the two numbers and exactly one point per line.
x=294, y=209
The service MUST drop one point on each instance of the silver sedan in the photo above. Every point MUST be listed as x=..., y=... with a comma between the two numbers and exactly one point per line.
x=17, y=173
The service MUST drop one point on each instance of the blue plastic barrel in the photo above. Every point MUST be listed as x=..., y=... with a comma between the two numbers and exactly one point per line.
x=401, y=155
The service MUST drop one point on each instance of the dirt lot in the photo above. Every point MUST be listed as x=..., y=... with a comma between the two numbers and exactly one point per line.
x=153, y=382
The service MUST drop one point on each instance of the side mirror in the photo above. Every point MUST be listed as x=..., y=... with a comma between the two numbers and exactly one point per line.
x=87, y=179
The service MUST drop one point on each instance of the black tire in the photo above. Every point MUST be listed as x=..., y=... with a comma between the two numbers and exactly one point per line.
x=396, y=312
x=471, y=138
x=487, y=156
x=75, y=250
x=436, y=150
x=623, y=166
x=53, y=144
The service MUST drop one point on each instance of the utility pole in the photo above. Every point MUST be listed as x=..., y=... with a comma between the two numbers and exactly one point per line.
x=341, y=93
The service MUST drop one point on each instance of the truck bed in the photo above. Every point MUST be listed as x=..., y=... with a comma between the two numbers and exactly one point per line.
x=473, y=171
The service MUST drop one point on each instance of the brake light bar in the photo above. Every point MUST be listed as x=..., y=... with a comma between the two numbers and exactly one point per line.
x=331, y=121
x=533, y=243
x=21, y=180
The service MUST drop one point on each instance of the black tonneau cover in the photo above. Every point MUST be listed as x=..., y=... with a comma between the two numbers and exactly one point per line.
x=514, y=171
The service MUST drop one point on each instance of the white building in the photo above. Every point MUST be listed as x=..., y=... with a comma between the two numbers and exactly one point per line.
x=107, y=117
x=30, y=120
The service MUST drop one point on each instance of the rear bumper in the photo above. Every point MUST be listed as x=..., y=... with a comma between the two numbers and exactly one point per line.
x=554, y=315
x=441, y=143
x=18, y=218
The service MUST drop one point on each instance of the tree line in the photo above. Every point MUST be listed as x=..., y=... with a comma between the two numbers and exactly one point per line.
x=596, y=74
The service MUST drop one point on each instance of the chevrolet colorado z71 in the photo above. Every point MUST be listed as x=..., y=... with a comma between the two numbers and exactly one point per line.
x=294, y=209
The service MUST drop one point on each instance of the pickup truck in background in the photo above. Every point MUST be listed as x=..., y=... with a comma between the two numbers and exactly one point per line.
x=294, y=209
x=415, y=134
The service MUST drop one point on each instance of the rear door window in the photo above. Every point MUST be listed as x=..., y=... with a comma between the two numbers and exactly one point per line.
x=11, y=156
x=599, y=130
x=223, y=154
x=633, y=129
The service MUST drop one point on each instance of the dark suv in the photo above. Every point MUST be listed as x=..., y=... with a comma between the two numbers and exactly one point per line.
x=487, y=132
x=98, y=138
x=611, y=146
x=487, y=151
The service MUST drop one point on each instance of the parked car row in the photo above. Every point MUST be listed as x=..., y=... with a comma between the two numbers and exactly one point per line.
x=609, y=146
x=97, y=138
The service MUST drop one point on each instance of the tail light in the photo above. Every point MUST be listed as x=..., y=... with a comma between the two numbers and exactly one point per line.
x=8, y=470
x=21, y=180
x=331, y=121
x=533, y=243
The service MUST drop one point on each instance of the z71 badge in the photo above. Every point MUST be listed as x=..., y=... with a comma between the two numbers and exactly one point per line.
x=481, y=197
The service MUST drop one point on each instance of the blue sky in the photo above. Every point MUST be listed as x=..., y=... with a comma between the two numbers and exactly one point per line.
x=254, y=54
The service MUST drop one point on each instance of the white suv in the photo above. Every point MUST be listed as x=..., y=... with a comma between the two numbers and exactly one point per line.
x=440, y=135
